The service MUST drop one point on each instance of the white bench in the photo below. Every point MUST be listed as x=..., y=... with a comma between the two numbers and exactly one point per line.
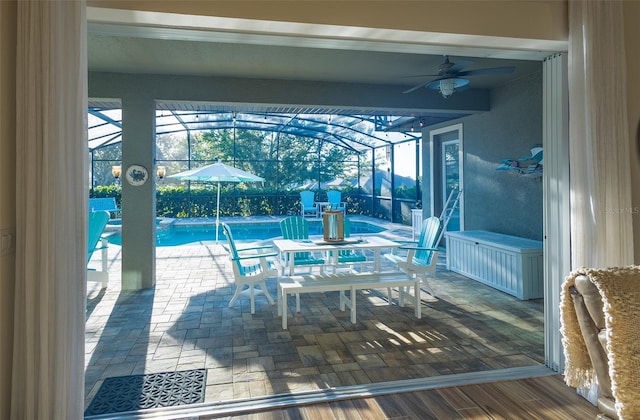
x=508, y=263
x=342, y=282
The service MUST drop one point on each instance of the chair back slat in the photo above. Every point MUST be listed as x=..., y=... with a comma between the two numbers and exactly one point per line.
x=233, y=251
x=307, y=198
x=334, y=198
x=347, y=234
x=296, y=228
x=428, y=236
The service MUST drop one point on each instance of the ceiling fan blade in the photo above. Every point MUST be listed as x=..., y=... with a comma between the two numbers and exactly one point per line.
x=416, y=87
x=421, y=75
x=459, y=65
x=494, y=70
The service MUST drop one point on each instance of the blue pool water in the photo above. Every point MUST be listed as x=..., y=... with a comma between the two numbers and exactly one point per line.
x=186, y=234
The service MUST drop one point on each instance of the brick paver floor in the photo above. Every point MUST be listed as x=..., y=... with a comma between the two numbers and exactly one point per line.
x=185, y=323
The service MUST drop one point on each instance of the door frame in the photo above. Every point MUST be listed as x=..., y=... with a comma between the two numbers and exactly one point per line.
x=437, y=168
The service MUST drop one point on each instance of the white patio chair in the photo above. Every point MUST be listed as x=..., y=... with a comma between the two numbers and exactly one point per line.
x=250, y=268
x=421, y=256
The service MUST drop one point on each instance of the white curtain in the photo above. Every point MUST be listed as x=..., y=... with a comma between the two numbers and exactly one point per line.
x=48, y=365
x=601, y=225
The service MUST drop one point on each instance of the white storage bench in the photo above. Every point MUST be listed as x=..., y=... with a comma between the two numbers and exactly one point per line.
x=508, y=263
x=343, y=282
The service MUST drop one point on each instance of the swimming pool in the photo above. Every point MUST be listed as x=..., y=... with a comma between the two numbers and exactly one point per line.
x=182, y=234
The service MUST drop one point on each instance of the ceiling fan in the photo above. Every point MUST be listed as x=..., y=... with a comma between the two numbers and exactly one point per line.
x=449, y=77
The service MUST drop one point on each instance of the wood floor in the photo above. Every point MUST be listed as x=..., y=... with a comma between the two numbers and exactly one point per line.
x=545, y=397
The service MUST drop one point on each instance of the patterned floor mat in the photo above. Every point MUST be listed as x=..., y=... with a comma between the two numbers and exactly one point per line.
x=130, y=393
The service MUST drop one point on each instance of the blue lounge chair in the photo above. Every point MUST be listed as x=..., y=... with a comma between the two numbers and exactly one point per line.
x=251, y=268
x=97, y=221
x=297, y=228
x=106, y=203
x=308, y=204
x=421, y=256
x=335, y=201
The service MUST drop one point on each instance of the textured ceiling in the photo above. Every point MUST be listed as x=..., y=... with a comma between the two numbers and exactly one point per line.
x=183, y=57
x=141, y=55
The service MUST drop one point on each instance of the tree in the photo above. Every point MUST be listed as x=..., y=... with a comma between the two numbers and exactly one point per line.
x=102, y=160
x=281, y=159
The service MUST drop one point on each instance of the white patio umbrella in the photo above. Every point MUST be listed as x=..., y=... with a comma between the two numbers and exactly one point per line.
x=217, y=172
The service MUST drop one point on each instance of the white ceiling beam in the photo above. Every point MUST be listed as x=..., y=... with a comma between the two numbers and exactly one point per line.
x=156, y=25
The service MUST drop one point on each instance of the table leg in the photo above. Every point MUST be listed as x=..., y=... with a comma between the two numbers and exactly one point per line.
x=376, y=260
x=353, y=304
x=284, y=309
x=417, y=300
x=279, y=292
x=291, y=257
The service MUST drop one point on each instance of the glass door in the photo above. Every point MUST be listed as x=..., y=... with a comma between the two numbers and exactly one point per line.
x=450, y=165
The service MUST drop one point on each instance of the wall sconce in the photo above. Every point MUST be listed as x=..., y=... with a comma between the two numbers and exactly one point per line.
x=161, y=172
x=116, y=171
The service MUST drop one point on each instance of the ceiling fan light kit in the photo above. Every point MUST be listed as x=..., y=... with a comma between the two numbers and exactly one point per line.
x=446, y=87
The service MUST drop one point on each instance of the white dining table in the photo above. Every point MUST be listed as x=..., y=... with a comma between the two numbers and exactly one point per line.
x=288, y=247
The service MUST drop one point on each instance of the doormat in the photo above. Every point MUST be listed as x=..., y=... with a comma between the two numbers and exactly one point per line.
x=136, y=392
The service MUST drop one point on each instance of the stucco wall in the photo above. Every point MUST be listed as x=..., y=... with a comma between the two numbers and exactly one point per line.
x=494, y=200
x=500, y=201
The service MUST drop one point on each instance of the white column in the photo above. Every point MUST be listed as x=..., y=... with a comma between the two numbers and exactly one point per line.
x=556, y=206
x=138, y=201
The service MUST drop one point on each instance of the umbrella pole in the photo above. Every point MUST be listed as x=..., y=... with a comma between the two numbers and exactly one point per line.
x=217, y=211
